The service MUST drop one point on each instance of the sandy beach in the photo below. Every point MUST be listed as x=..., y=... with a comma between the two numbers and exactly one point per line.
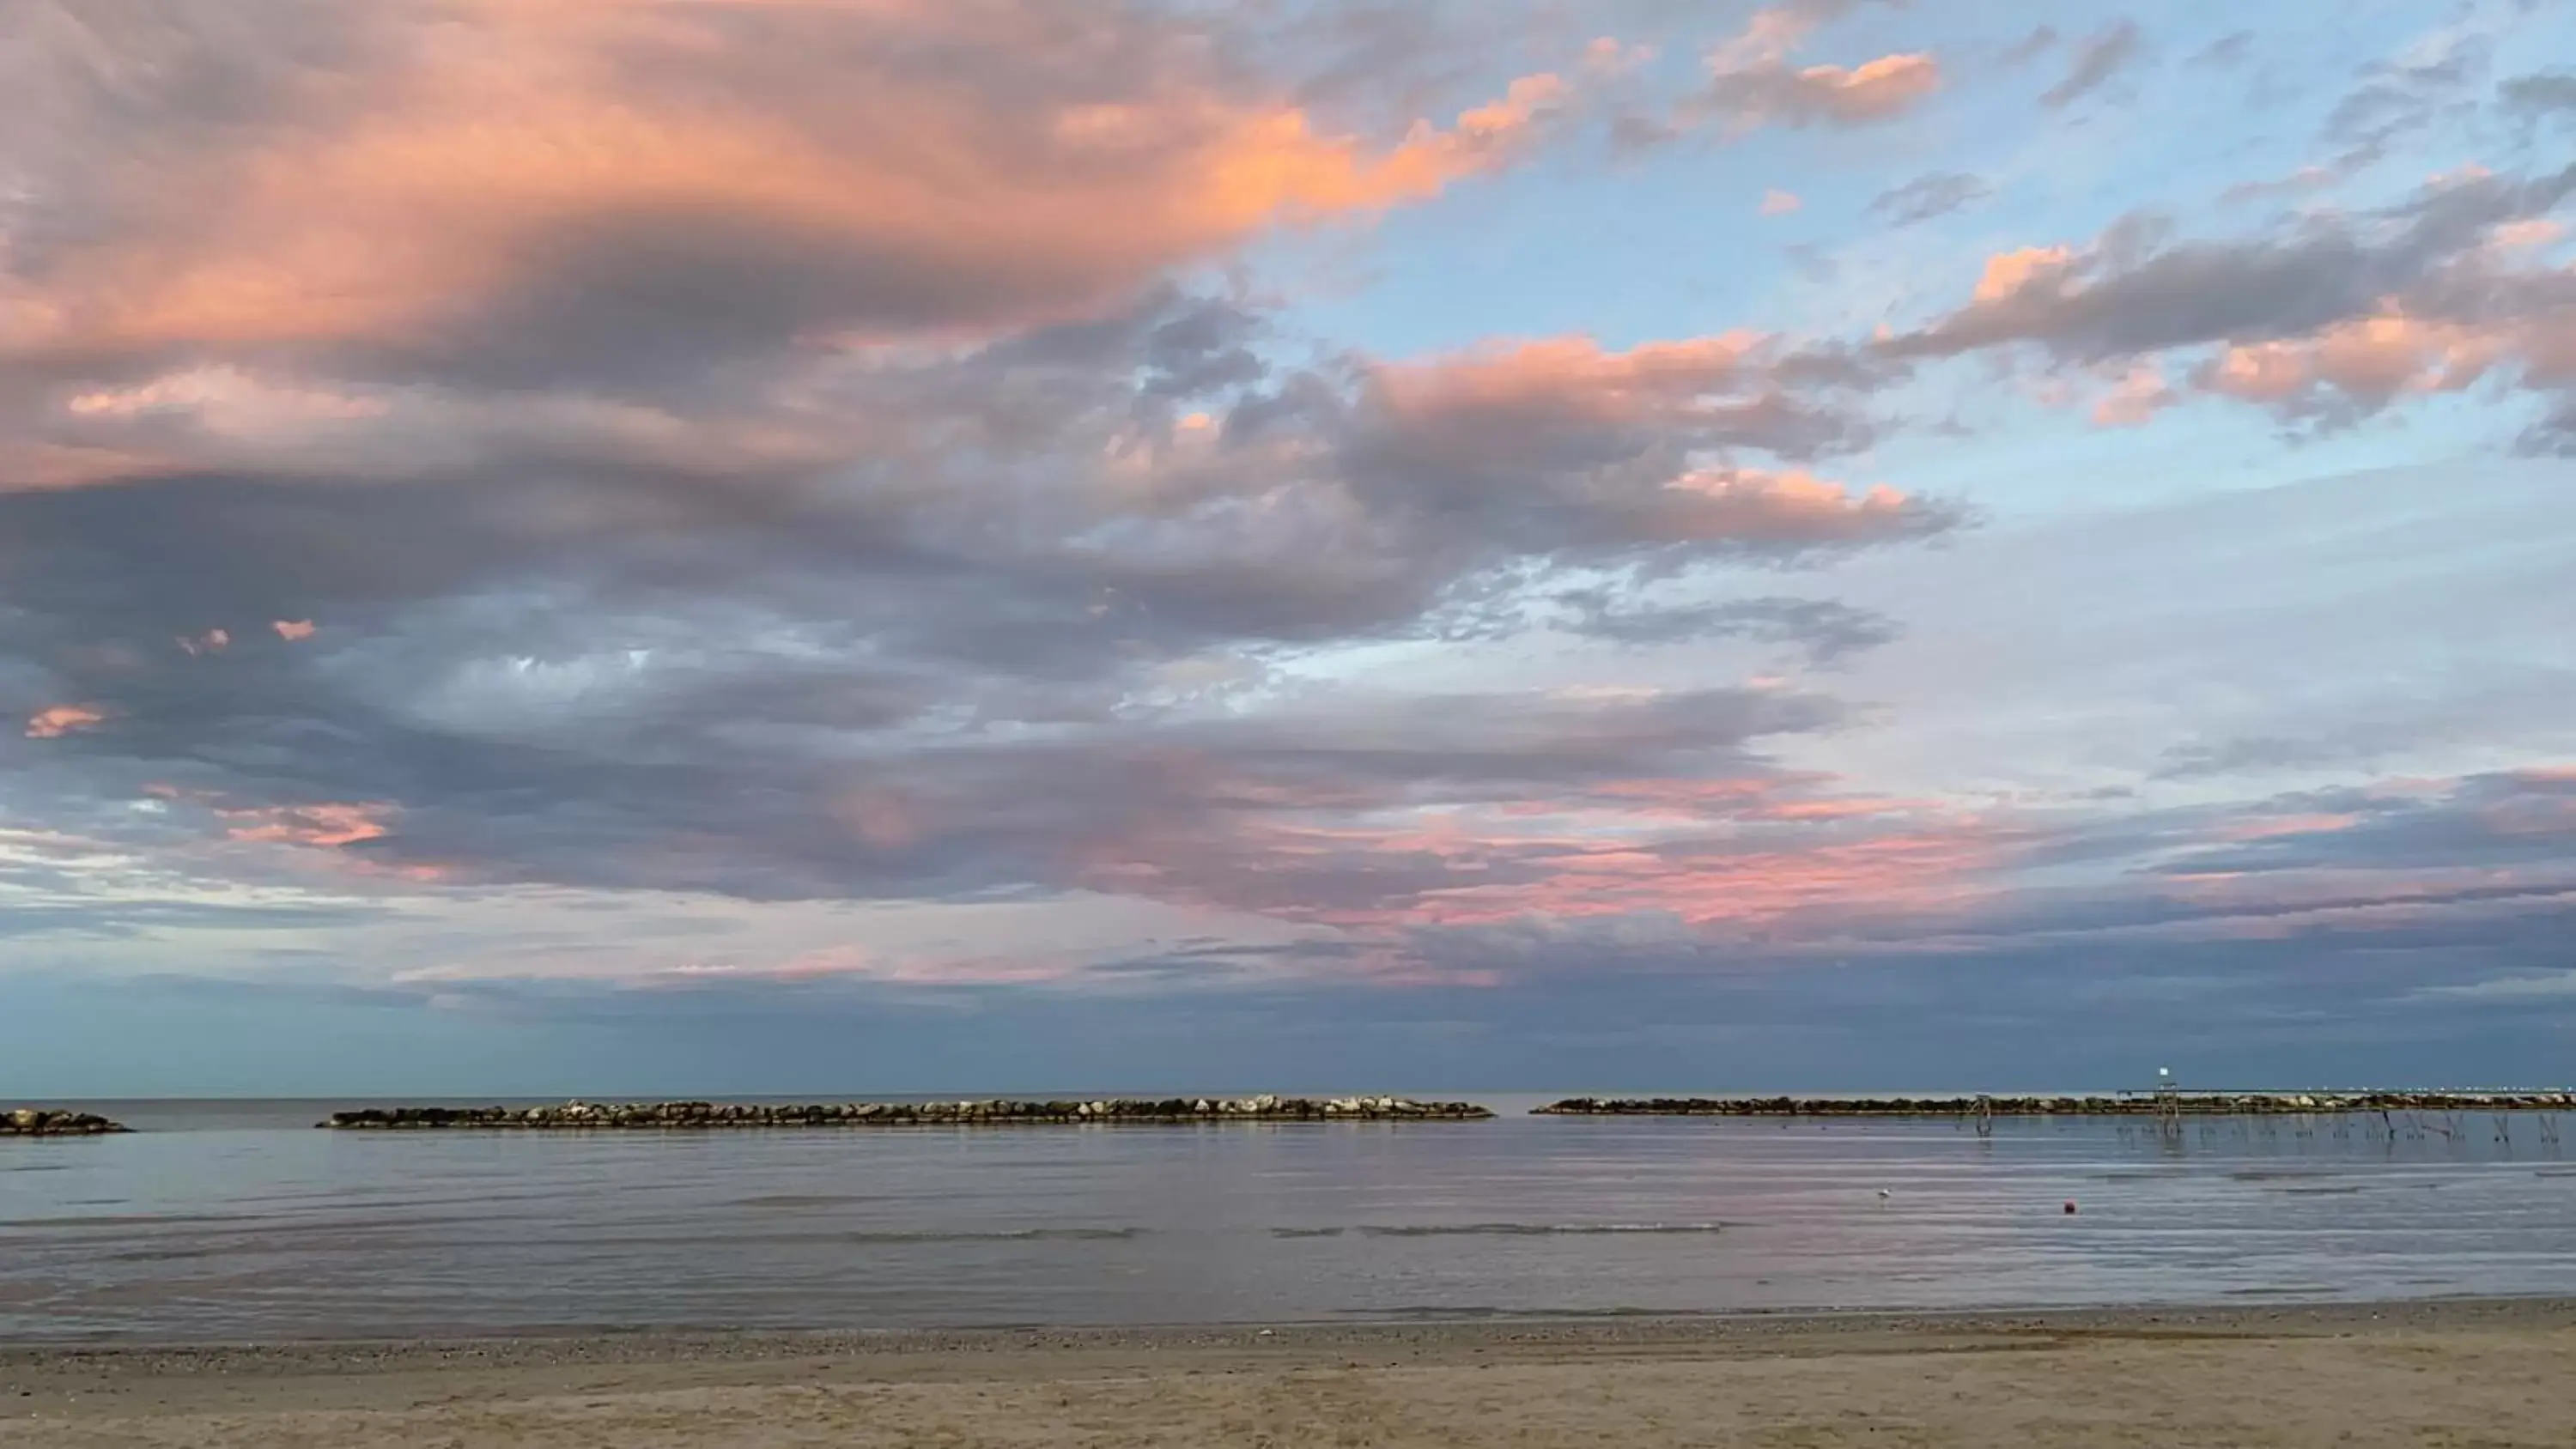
x=2487, y=1373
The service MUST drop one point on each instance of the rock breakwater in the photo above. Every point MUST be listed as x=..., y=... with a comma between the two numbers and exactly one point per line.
x=2187, y=1104
x=38, y=1122
x=992, y=1113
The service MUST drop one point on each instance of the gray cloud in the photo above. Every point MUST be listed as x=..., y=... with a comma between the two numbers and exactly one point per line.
x=2098, y=59
x=2249, y=753
x=2554, y=434
x=939, y=622
x=1825, y=630
x=2399, y=99
x=2543, y=93
x=2216, y=1012
x=2304, y=181
x=1933, y=194
x=1752, y=81
x=2038, y=42
x=735, y=536
x=1799, y=98
x=2225, y=51
x=687, y=537
x=750, y=787
x=2137, y=292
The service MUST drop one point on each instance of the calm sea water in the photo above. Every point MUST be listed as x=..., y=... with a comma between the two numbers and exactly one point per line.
x=238, y=1221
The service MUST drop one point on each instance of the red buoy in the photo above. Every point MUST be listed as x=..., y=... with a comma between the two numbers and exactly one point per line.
x=2070, y=1207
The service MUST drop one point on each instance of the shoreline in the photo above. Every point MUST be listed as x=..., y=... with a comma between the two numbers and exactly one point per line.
x=1533, y=1330
x=2358, y=1375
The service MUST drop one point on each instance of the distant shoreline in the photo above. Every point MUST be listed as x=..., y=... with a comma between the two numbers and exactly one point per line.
x=1759, y=1330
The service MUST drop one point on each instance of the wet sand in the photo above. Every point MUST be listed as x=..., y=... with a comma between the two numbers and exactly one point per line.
x=2456, y=1373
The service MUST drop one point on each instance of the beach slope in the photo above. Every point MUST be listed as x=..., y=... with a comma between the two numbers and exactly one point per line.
x=2488, y=1374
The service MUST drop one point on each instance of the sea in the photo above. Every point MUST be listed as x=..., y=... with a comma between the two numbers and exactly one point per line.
x=238, y=1221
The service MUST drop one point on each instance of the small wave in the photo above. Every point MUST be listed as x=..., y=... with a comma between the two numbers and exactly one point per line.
x=799, y=1200
x=130, y=1220
x=2319, y=1191
x=1306, y=1232
x=1022, y=1235
x=2267, y=1174
x=1461, y=1312
x=169, y=1255
x=1528, y=1230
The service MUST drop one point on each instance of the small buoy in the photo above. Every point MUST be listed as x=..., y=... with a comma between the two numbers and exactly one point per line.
x=2070, y=1207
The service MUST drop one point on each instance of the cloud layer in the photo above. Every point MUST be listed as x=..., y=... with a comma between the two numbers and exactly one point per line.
x=945, y=496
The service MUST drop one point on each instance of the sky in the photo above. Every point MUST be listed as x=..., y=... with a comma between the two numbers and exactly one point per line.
x=692, y=546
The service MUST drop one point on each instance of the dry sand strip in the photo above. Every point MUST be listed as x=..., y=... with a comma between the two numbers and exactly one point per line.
x=2456, y=1374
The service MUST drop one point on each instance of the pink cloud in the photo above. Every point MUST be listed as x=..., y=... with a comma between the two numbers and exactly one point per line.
x=884, y=818
x=2136, y=399
x=2273, y=827
x=2009, y=273
x=292, y=630
x=1703, y=884
x=1607, y=55
x=1752, y=82
x=1770, y=35
x=213, y=641
x=2483, y=311
x=1574, y=374
x=1784, y=506
x=228, y=397
x=324, y=825
x=57, y=720
x=2371, y=360
x=1873, y=91
x=1045, y=165
x=1780, y=203
x=903, y=968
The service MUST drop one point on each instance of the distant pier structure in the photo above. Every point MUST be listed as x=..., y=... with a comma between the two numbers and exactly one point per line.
x=2168, y=1104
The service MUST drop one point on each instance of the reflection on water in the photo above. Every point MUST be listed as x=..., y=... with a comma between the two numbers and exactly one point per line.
x=237, y=1221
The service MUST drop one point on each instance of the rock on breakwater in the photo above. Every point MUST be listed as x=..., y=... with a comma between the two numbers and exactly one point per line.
x=992, y=1113
x=38, y=1122
x=2189, y=1104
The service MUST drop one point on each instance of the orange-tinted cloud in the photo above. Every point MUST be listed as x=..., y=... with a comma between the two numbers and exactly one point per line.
x=2136, y=399
x=2007, y=273
x=1756, y=506
x=2333, y=320
x=326, y=824
x=1577, y=375
x=292, y=630
x=2269, y=827
x=1566, y=408
x=57, y=720
x=472, y=159
x=1704, y=886
x=1753, y=82
x=2371, y=360
x=1873, y=91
